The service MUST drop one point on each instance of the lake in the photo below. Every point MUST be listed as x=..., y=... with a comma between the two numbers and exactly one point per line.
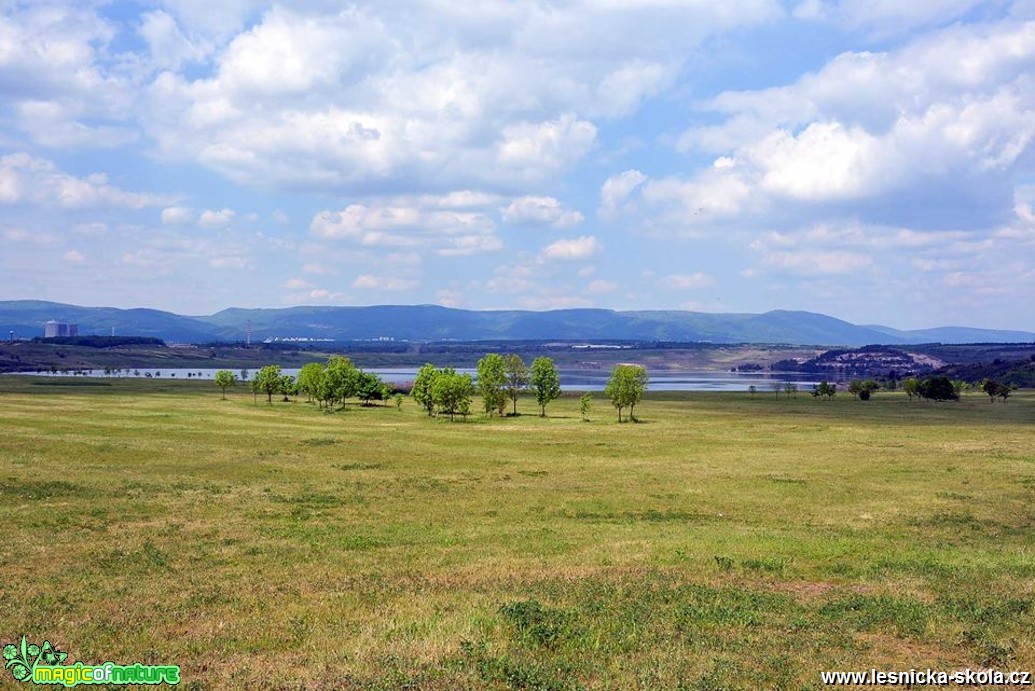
x=577, y=380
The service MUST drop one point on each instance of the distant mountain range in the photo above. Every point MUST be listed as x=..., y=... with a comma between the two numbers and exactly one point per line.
x=26, y=318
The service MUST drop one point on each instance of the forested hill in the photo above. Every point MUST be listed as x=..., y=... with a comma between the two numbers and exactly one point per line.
x=435, y=323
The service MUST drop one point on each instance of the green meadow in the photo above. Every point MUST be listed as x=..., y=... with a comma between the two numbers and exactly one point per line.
x=725, y=541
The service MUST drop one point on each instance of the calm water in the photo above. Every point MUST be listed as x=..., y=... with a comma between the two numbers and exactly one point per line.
x=578, y=380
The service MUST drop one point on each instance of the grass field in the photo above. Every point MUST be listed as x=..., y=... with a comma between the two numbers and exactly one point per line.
x=726, y=541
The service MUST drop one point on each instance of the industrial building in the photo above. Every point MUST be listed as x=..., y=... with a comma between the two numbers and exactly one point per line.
x=55, y=329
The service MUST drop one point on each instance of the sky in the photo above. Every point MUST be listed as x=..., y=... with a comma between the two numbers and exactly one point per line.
x=868, y=159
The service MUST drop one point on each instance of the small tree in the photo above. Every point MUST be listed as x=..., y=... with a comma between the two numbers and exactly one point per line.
x=546, y=382
x=224, y=380
x=452, y=392
x=342, y=379
x=790, y=389
x=267, y=381
x=752, y=389
x=912, y=387
x=492, y=382
x=423, y=387
x=825, y=388
x=369, y=387
x=517, y=377
x=626, y=387
x=398, y=400
x=287, y=387
x=310, y=379
x=585, y=403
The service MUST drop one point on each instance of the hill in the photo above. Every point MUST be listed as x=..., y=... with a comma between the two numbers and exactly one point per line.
x=436, y=323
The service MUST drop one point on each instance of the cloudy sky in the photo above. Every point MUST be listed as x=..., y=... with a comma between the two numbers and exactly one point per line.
x=869, y=159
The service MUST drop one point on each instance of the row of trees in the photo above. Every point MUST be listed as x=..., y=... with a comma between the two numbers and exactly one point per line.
x=328, y=384
x=501, y=379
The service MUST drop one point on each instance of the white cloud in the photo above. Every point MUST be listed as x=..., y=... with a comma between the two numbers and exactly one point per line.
x=314, y=96
x=384, y=283
x=74, y=257
x=926, y=136
x=809, y=262
x=440, y=223
x=25, y=179
x=177, y=215
x=542, y=211
x=212, y=219
x=599, y=286
x=539, y=149
x=687, y=281
x=616, y=190
x=579, y=248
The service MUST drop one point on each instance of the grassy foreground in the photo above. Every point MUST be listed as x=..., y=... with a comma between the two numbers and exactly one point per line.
x=726, y=541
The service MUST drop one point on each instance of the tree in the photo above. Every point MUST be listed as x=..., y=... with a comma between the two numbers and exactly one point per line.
x=790, y=388
x=863, y=389
x=825, y=388
x=369, y=387
x=912, y=387
x=287, y=387
x=517, y=377
x=398, y=400
x=777, y=387
x=492, y=382
x=752, y=389
x=625, y=387
x=225, y=379
x=546, y=382
x=342, y=379
x=938, y=389
x=452, y=392
x=310, y=378
x=423, y=387
x=244, y=375
x=267, y=381
x=585, y=403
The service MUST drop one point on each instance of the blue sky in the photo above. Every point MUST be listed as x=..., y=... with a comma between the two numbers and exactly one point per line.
x=869, y=159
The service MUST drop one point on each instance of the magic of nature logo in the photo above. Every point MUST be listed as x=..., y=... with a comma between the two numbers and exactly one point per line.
x=44, y=664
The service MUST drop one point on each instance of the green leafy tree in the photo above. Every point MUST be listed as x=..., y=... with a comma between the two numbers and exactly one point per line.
x=224, y=380
x=492, y=383
x=398, y=400
x=585, y=403
x=310, y=378
x=452, y=392
x=825, y=388
x=369, y=387
x=546, y=382
x=626, y=387
x=287, y=387
x=424, y=387
x=938, y=389
x=517, y=377
x=267, y=381
x=342, y=379
x=912, y=387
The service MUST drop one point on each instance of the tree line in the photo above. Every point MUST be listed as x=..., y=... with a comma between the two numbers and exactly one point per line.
x=501, y=381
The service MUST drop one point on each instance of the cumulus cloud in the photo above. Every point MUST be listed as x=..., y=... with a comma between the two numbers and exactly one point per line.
x=929, y=135
x=349, y=99
x=541, y=211
x=26, y=179
x=177, y=215
x=212, y=219
x=616, y=190
x=441, y=223
x=579, y=248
